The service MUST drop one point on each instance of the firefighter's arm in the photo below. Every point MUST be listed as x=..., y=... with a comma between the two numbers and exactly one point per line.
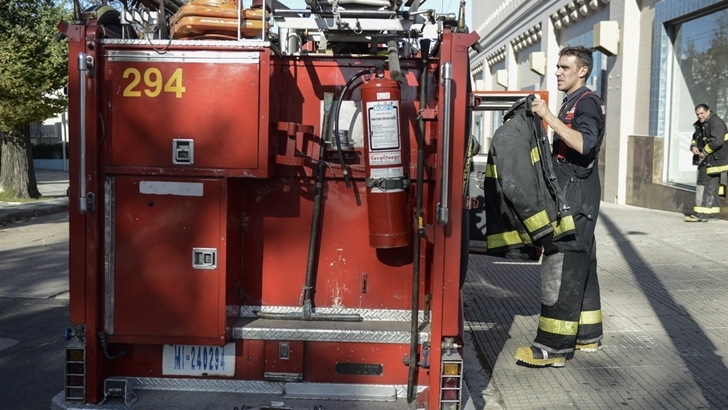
x=694, y=143
x=571, y=137
x=515, y=166
x=716, y=138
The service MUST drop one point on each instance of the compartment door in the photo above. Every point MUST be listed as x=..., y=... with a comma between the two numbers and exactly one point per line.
x=207, y=100
x=165, y=269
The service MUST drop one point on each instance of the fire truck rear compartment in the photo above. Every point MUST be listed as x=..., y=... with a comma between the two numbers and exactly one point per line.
x=202, y=156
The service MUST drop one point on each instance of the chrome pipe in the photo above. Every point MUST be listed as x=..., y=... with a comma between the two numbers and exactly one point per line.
x=343, y=13
x=82, y=132
x=443, y=212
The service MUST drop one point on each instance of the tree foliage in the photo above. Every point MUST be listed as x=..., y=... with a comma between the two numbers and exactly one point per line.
x=33, y=65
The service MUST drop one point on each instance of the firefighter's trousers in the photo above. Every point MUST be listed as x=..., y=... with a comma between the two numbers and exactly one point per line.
x=575, y=316
x=707, y=204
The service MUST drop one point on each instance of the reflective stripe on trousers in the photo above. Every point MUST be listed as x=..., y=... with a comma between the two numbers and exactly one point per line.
x=576, y=315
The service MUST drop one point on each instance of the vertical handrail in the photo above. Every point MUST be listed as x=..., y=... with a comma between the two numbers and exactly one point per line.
x=240, y=7
x=443, y=212
x=82, y=132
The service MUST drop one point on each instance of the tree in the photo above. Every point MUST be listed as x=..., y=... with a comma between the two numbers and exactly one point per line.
x=33, y=68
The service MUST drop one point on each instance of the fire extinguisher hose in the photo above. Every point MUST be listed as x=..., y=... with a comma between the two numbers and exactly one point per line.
x=339, y=151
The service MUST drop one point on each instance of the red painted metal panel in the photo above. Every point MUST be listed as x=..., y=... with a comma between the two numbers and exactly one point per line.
x=77, y=237
x=216, y=104
x=162, y=298
x=277, y=236
x=447, y=263
x=139, y=359
x=93, y=224
x=250, y=360
x=275, y=363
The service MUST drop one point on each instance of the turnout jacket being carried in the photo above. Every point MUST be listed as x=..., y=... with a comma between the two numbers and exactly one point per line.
x=523, y=202
x=710, y=137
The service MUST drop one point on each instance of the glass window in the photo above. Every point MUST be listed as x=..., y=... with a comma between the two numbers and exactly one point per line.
x=699, y=70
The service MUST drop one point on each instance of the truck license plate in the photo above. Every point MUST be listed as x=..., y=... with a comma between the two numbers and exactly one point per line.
x=191, y=360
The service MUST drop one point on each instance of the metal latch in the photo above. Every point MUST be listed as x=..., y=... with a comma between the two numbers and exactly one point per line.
x=284, y=351
x=204, y=258
x=183, y=151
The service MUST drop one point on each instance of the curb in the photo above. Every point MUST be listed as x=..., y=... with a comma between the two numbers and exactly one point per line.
x=32, y=211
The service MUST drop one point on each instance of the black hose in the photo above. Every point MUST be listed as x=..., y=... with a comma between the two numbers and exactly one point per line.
x=104, y=338
x=316, y=219
x=393, y=57
x=414, y=328
x=340, y=152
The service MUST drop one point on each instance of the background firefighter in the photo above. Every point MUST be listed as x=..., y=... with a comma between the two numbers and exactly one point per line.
x=712, y=161
x=571, y=316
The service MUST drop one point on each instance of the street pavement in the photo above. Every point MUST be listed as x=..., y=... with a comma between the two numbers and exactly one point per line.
x=33, y=310
x=664, y=286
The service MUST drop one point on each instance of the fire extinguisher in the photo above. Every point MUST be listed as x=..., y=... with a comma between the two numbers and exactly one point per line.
x=386, y=182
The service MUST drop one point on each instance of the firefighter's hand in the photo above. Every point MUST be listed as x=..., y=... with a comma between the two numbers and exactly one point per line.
x=547, y=242
x=540, y=108
x=701, y=155
x=695, y=150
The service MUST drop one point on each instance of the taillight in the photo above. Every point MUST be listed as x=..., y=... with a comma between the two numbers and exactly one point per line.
x=451, y=380
x=75, y=380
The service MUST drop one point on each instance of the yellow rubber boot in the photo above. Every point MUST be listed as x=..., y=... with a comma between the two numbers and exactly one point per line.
x=538, y=357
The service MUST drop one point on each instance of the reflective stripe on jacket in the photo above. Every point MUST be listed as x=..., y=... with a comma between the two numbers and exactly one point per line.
x=711, y=137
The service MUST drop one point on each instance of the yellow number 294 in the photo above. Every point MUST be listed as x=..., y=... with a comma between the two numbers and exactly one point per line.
x=153, y=81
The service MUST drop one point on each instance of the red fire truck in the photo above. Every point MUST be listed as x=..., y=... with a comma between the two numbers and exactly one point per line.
x=264, y=221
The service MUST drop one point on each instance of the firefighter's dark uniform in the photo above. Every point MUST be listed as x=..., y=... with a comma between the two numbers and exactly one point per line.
x=521, y=206
x=709, y=138
x=574, y=317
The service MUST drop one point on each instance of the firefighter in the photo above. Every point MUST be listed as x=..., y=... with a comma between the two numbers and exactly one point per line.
x=711, y=159
x=571, y=317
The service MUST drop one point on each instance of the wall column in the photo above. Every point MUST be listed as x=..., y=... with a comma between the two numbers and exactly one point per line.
x=621, y=86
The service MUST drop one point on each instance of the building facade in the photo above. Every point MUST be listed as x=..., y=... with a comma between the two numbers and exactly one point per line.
x=655, y=60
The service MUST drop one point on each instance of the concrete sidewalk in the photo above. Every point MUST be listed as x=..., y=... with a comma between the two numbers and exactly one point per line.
x=664, y=288
x=53, y=186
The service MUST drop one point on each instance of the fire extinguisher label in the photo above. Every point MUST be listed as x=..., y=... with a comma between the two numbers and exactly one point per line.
x=383, y=119
x=378, y=173
x=385, y=158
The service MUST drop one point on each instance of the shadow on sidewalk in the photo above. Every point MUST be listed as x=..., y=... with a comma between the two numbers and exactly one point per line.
x=497, y=291
x=692, y=344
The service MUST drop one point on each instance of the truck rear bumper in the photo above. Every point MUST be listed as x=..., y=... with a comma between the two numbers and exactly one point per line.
x=188, y=400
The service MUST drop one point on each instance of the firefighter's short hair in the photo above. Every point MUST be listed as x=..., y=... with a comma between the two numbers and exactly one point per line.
x=583, y=57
